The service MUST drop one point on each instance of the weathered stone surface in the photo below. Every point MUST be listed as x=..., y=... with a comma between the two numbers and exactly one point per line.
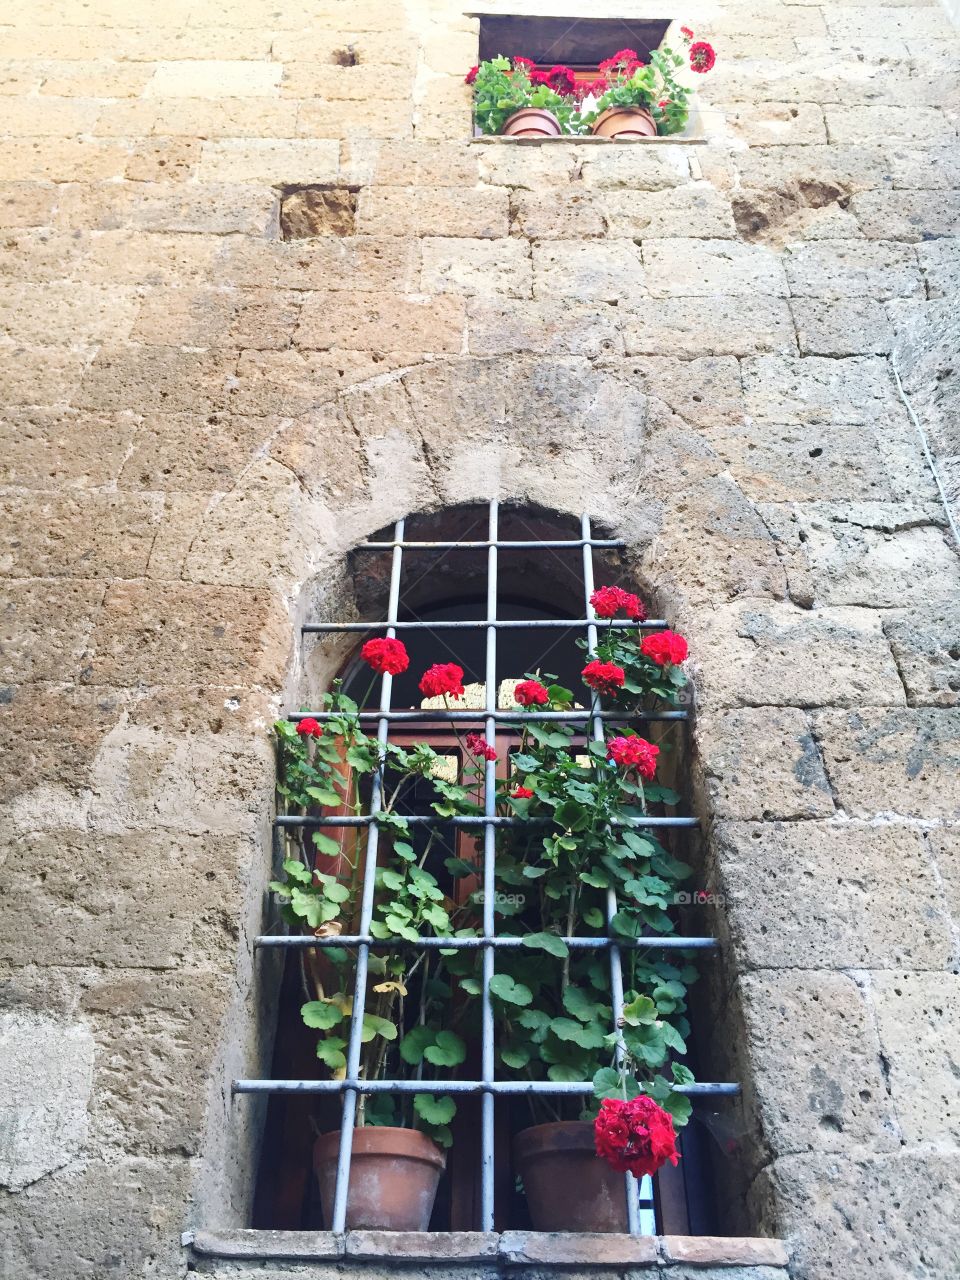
x=201, y=78
x=65, y=313
x=829, y=895
x=175, y=380
x=606, y=272
x=78, y=534
x=811, y=1097
x=700, y=268
x=778, y=655
x=746, y=1251
x=191, y=451
x=767, y=124
x=499, y=326
x=940, y=264
x=560, y=1248
x=49, y=737
x=46, y=1070
x=314, y=211
x=819, y=391
x=63, y=448
x=714, y=326
x=907, y=215
x=357, y=264
x=761, y=764
x=844, y=268
x=404, y=211
x=926, y=644
x=904, y=762
x=844, y=327
x=557, y=214
x=887, y=124
x=482, y=268
x=277, y=160
x=408, y=322
x=216, y=208
x=693, y=210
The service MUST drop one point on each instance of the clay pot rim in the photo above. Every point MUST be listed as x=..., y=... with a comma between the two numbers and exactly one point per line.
x=382, y=1140
x=555, y=1136
x=540, y=112
x=624, y=111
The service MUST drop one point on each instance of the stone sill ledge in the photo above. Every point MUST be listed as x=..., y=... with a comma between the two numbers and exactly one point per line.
x=511, y=1248
x=674, y=140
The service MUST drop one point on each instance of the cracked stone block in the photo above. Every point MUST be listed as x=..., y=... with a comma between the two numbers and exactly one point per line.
x=827, y=895
x=842, y=327
x=318, y=211
x=926, y=645
x=762, y=763
x=46, y=1076
x=904, y=762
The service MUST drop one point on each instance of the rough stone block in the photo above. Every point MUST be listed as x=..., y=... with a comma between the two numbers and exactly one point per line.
x=38, y=117
x=926, y=644
x=498, y=326
x=700, y=268
x=163, y=160
x=704, y=392
x=350, y=120
x=482, y=268
x=553, y=213
x=43, y=627
x=907, y=215
x=216, y=635
x=925, y=168
x=63, y=448
x=560, y=1248
x=764, y=654
x=214, y=208
x=810, y=389
x=42, y=375
x=332, y=83
x=27, y=204
x=842, y=327
x=813, y=168
x=724, y=1251
x=192, y=452
x=46, y=1070
x=251, y=319
x=715, y=326
x=945, y=850
x=940, y=264
x=355, y=264
x=50, y=736
x=694, y=210
x=276, y=160
x=903, y=762
x=918, y=1017
x=200, y=78
x=809, y=1098
x=372, y=162
x=65, y=313
x=762, y=763
x=765, y=124
x=886, y=124
x=221, y=117
x=78, y=534
x=411, y=211
x=830, y=895
x=846, y=268
x=607, y=272
x=315, y=211
x=167, y=379
x=386, y=322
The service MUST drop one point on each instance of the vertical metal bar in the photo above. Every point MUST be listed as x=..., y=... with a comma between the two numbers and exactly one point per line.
x=489, y=886
x=616, y=966
x=339, y=1216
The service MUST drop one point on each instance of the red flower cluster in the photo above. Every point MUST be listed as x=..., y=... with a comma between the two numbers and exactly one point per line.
x=635, y=1137
x=607, y=601
x=524, y=64
x=442, y=678
x=471, y=75
x=559, y=78
x=702, y=57
x=477, y=746
x=309, y=728
x=624, y=62
x=531, y=693
x=521, y=793
x=665, y=648
x=597, y=87
x=634, y=753
x=605, y=677
x=686, y=33
x=386, y=656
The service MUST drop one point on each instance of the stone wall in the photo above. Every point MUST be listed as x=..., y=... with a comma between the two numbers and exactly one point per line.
x=691, y=342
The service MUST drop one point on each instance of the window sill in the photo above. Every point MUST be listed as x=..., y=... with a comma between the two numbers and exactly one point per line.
x=588, y=140
x=511, y=1249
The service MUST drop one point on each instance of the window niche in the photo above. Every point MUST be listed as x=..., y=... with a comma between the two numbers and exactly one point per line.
x=543, y=566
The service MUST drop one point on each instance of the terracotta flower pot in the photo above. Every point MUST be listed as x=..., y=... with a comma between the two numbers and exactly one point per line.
x=393, y=1177
x=568, y=1186
x=624, y=122
x=532, y=122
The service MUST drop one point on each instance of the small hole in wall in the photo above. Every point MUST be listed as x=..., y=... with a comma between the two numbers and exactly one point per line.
x=815, y=453
x=347, y=57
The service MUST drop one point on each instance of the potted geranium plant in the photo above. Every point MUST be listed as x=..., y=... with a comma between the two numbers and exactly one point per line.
x=513, y=97
x=636, y=100
x=398, y=1154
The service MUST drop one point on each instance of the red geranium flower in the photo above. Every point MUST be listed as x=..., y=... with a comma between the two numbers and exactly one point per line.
x=386, y=655
x=686, y=33
x=607, y=601
x=596, y=87
x=477, y=746
x=441, y=678
x=635, y=1137
x=605, y=677
x=665, y=648
x=664, y=103
x=523, y=64
x=634, y=753
x=702, y=56
x=625, y=60
x=309, y=728
x=561, y=79
x=471, y=75
x=521, y=793
x=531, y=693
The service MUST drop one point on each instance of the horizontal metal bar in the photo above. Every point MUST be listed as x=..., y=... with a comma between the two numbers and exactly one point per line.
x=506, y=717
x=674, y=942
x=500, y=544
x=462, y=820
x=578, y=1088
x=462, y=624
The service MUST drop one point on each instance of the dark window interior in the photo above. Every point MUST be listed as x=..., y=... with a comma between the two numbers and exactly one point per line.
x=579, y=43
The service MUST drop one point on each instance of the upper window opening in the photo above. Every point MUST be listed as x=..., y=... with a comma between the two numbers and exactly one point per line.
x=581, y=44
x=477, y=879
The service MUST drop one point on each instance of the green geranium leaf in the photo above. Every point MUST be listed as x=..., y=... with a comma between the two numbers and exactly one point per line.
x=448, y=1050
x=376, y=1026
x=505, y=988
x=297, y=871
x=640, y=1012
x=415, y=1043
x=434, y=1110
x=577, y=1033
x=322, y=1014
x=330, y=1050
x=593, y=917
x=324, y=844
x=516, y=1056
x=548, y=942
x=324, y=795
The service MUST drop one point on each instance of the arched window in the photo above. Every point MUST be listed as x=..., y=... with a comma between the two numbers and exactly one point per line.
x=502, y=595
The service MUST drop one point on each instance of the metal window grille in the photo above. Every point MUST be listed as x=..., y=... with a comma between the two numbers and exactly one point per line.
x=639, y=1198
